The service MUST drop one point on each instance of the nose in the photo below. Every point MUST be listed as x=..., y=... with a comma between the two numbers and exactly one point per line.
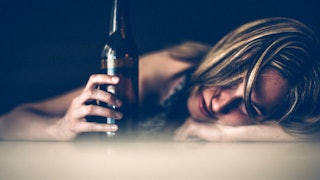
x=227, y=98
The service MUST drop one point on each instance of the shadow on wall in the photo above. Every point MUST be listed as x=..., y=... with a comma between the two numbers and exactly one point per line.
x=49, y=47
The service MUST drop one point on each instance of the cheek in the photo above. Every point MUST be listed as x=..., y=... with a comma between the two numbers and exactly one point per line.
x=194, y=111
x=192, y=106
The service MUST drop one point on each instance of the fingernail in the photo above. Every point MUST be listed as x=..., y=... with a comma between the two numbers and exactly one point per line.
x=118, y=102
x=119, y=115
x=115, y=79
x=114, y=127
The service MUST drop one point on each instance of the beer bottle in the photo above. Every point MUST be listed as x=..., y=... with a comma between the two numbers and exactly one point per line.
x=120, y=57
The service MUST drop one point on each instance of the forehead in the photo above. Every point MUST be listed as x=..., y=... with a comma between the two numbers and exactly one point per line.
x=270, y=89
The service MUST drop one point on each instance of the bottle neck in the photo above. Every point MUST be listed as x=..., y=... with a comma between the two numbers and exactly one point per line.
x=119, y=22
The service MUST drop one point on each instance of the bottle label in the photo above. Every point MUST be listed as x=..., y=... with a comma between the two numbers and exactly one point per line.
x=127, y=71
x=125, y=62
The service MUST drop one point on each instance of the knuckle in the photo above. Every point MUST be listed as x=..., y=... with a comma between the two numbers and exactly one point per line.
x=89, y=93
x=91, y=127
x=90, y=109
x=92, y=92
x=110, y=78
x=108, y=97
x=92, y=77
x=75, y=101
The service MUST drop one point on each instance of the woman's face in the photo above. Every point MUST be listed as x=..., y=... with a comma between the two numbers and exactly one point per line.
x=225, y=105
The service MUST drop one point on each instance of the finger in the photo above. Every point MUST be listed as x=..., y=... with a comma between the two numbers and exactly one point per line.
x=95, y=127
x=178, y=134
x=98, y=79
x=184, y=132
x=100, y=95
x=186, y=137
x=93, y=110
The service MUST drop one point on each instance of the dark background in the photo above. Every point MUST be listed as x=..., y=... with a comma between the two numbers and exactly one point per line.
x=51, y=46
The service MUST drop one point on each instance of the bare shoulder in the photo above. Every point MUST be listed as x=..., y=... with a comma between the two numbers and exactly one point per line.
x=161, y=64
x=158, y=74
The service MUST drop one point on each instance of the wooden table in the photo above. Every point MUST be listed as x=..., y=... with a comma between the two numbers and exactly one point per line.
x=92, y=159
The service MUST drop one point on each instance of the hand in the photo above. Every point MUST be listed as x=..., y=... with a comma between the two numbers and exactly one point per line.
x=193, y=130
x=74, y=122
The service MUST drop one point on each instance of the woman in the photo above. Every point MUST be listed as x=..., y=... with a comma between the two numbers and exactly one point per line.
x=264, y=73
x=259, y=83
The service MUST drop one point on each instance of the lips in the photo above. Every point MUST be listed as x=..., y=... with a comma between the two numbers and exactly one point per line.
x=203, y=108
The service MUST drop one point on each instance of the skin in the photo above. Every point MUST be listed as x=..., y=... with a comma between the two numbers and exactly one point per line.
x=62, y=118
x=224, y=105
x=219, y=114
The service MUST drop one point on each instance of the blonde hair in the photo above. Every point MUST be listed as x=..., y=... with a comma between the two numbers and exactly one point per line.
x=280, y=43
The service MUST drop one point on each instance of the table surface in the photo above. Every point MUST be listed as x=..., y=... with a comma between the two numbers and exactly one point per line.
x=161, y=159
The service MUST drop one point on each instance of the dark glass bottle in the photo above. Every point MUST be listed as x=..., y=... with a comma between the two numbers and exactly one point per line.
x=120, y=57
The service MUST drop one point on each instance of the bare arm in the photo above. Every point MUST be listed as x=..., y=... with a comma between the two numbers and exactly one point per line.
x=193, y=130
x=35, y=121
x=61, y=118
